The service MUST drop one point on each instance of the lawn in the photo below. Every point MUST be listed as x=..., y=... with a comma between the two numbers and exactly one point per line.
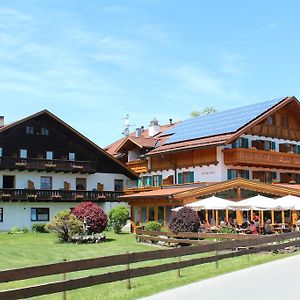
x=30, y=249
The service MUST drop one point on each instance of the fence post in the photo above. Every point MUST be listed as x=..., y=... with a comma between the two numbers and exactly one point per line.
x=128, y=285
x=178, y=270
x=64, y=277
x=217, y=261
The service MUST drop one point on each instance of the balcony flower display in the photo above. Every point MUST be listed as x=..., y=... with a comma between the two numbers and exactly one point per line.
x=50, y=166
x=56, y=196
x=79, y=196
x=20, y=165
x=78, y=167
x=31, y=196
x=6, y=196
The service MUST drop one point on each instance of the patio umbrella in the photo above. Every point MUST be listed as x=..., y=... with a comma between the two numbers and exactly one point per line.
x=256, y=203
x=288, y=202
x=211, y=203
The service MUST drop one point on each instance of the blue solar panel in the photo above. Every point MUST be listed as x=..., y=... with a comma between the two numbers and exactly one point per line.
x=218, y=123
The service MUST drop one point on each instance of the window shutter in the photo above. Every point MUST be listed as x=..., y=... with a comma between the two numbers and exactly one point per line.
x=192, y=177
x=274, y=175
x=140, y=182
x=179, y=178
x=298, y=149
x=149, y=181
x=273, y=146
x=298, y=178
x=245, y=143
x=234, y=144
x=229, y=174
x=160, y=180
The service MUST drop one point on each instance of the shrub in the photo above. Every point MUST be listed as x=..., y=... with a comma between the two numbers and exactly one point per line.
x=65, y=225
x=227, y=229
x=153, y=226
x=118, y=217
x=93, y=216
x=16, y=229
x=184, y=220
x=40, y=228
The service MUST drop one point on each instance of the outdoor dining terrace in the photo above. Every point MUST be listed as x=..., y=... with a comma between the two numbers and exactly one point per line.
x=57, y=195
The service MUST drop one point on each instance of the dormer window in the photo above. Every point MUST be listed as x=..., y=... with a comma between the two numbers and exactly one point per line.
x=29, y=130
x=72, y=156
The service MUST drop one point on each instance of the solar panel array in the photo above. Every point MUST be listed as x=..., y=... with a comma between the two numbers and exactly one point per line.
x=218, y=123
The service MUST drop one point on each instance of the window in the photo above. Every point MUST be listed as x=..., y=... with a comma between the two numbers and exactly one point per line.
x=29, y=130
x=80, y=184
x=232, y=174
x=1, y=214
x=46, y=183
x=8, y=182
x=119, y=185
x=23, y=153
x=49, y=155
x=241, y=143
x=157, y=180
x=44, y=131
x=271, y=120
x=1, y=152
x=72, y=156
x=185, y=177
x=147, y=181
x=40, y=214
x=151, y=216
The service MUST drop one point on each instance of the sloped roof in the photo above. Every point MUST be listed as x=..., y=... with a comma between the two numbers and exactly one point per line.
x=217, y=128
x=127, y=171
x=143, y=141
x=217, y=123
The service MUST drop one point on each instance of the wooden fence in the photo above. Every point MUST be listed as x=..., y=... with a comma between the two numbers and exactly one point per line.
x=192, y=238
x=234, y=248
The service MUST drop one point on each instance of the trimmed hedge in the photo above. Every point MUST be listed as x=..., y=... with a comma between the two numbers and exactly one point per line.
x=40, y=228
x=153, y=226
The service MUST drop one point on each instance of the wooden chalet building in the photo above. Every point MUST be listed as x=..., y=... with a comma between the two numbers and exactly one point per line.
x=46, y=166
x=258, y=142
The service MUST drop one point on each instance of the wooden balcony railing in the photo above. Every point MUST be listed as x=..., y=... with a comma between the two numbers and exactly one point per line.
x=138, y=166
x=40, y=164
x=261, y=158
x=57, y=195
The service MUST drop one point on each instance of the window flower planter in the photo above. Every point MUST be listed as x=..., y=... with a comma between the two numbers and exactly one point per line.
x=31, y=196
x=77, y=167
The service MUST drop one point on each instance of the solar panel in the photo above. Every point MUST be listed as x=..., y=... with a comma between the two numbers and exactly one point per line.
x=218, y=123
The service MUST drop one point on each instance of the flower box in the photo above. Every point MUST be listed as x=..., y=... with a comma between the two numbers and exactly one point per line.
x=6, y=196
x=21, y=165
x=79, y=167
x=79, y=196
x=56, y=197
x=50, y=166
x=31, y=196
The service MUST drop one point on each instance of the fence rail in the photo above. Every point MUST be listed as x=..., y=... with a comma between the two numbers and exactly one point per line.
x=265, y=243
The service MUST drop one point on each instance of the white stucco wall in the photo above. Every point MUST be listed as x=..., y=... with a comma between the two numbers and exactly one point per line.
x=19, y=213
x=58, y=179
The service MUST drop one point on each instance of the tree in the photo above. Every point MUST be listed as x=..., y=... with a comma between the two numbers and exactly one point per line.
x=205, y=111
x=184, y=220
x=118, y=217
x=92, y=215
x=65, y=225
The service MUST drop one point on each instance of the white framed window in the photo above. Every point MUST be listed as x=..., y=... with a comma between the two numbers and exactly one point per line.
x=72, y=156
x=49, y=155
x=46, y=183
x=23, y=153
x=40, y=214
x=29, y=130
x=44, y=131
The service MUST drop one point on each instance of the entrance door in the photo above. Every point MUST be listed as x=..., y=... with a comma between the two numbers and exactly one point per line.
x=8, y=182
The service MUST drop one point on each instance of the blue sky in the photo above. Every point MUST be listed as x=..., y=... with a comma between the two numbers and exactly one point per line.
x=92, y=62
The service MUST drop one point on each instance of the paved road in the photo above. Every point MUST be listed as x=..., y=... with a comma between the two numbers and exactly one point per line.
x=278, y=280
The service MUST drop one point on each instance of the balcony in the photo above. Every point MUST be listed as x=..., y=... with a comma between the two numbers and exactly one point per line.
x=40, y=164
x=57, y=195
x=261, y=158
x=138, y=166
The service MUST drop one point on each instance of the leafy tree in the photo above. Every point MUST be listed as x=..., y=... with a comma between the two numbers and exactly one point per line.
x=65, y=225
x=184, y=220
x=118, y=217
x=205, y=111
x=92, y=215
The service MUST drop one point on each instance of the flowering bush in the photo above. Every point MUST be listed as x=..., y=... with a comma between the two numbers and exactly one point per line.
x=184, y=220
x=93, y=216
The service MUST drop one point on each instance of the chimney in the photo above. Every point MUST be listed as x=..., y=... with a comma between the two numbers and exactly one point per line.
x=1, y=121
x=154, y=128
x=170, y=121
x=138, y=132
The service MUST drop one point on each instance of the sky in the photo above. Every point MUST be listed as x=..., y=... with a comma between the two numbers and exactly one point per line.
x=92, y=62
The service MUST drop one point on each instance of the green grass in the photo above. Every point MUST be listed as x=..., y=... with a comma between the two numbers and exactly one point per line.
x=19, y=250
